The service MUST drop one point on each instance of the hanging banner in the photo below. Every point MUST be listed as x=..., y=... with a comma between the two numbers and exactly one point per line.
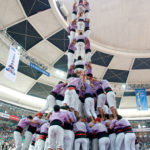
x=12, y=64
x=3, y=115
x=39, y=69
x=141, y=99
x=11, y=117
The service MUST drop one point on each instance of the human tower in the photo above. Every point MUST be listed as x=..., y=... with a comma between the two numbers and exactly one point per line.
x=82, y=111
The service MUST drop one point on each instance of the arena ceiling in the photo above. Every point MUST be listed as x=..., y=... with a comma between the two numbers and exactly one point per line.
x=120, y=44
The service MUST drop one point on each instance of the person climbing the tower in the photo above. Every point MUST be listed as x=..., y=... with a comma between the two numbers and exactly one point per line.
x=71, y=51
x=79, y=66
x=51, y=98
x=110, y=96
x=74, y=11
x=72, y=30
x=88, y=53
x=80, y=44
x=71, y=97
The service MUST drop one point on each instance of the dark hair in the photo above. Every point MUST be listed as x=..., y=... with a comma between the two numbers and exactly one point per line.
x=119, y=117
x=90, y=75
x=111, y=116
x=107, y=116
x=80, y=33
x=30, y=117
x=60, y=82
x=78, y=118
x=99, y=115
x=74, y=75
x=79, y=58
x=63, y=107
x=56, y=108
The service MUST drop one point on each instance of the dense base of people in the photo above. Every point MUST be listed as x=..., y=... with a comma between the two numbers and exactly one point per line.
x=82, y=111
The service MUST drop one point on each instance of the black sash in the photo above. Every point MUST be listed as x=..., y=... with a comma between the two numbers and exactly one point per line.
x=43, y=136
x=56, y=122
x=108, y=89
x=82, y=20
x=54, y=94
x=102, y=134
x=74, y=12
x=99, y=91
x=128, y=129
x=60, y=97
x=19, y=129
x=79, y=66
x=73, y=30
x=70, y=51
x=80, y=40
x=119, y=130
x=31, y=129
x=71, y=86
x=80, y=134
x=81, y=99
x=111, y=131
x=87, y=95
x=68, y=126
x=87, y=50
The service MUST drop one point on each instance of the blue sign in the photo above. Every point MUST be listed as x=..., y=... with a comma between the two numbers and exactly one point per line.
x=39, y=69
x=141, y=99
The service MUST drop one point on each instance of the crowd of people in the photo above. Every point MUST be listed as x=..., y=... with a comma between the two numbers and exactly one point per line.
x=6, y=137
x=15, y=110
x=82, y=111
x=63, y=130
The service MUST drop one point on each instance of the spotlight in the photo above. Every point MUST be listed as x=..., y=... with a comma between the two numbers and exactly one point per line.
x=123, y=86
x=19, y=47
x=59, y=73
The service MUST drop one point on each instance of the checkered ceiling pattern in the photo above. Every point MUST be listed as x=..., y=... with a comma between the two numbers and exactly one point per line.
x=34, y=26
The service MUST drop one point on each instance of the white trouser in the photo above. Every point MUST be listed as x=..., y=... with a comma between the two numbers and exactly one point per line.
x=129, y=141
x=50, y=102
x=112, y=138
x=89, y=107
x=119, y=141
x=80, y=49
x=18, y=140
x=73, y=17
x=95, y=144
x=46, y=144
x=37, y=135
x=83, y=142
x=101, y=100
x=59, y=102
x=71, y=99
x=111, y=99
x=27, y=141
x=105, y=109
x=31, y=147
x=104, y=143
x=40, y=144
x=72, y=35
x=80, y=108
x=88, y=57
x=70, y=59
x=86, y=15
x=81, y=9
x=68, y=139
x=80, y=25
x=55, y=137
x=137, y=146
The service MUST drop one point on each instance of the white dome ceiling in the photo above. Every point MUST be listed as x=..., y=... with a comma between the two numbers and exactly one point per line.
x=119, y=25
